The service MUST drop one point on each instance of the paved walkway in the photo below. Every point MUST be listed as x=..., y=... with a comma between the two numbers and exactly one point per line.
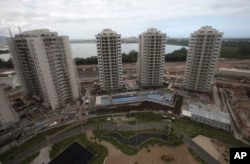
x=43, y=157
x=113, y=152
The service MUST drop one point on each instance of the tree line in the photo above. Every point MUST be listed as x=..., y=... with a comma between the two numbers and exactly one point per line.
x=6, y=64
x=131, y=57
x=228, y=50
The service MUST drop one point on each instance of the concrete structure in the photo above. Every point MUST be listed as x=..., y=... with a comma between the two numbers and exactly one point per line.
x=233, y=72
x=151, y=58
x=9, y=78
x=216, y=119
x=8, y=116
x=204, y=50
x=45, y=67
x=109, y=60
x=157, y=96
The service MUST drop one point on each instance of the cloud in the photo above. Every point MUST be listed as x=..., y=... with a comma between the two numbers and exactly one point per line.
x=65, y=15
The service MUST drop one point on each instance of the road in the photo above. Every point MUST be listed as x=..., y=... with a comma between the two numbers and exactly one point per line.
x=201, y=152
x=111, y=126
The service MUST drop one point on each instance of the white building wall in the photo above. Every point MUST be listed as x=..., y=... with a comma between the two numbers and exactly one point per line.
x=43, y=70
x=8, y=116
x=11, y=81
x=203, y=52
x=151, y=58
x=109, y=60
x=17, y=65
x=74, y=79
x=47, y=68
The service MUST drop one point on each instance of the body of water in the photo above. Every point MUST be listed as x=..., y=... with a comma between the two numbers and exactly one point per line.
x=83, y=50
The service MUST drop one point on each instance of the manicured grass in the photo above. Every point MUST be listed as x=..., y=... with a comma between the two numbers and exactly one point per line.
x=13, y=152
x=192, y=129
x=101, y=119
x=29, y=159
x=100, y=150
x=129, y=150
x=196, y=156
x=145, y=116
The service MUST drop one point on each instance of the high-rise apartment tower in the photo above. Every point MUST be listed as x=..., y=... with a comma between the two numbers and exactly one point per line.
x=151, y=58
x=45, y=67
x=204, y=50
x=109, y=60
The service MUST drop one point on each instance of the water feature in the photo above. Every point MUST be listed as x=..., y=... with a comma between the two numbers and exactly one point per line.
x=157, y=97
x=137, y=139
x=124, y=99
x=75, y=153
x=105, y=100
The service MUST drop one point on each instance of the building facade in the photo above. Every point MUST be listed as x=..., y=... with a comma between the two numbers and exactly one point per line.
x=203, y=53
x=45, y=67
x=151, y=58
x=8, y=115
x=9, y=78
x=109, y=60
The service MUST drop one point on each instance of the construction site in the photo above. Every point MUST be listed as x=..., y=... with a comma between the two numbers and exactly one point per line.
x=230, y=93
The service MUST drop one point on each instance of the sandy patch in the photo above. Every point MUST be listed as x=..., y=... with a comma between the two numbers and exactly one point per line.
x=223, y=149
x=207, y=145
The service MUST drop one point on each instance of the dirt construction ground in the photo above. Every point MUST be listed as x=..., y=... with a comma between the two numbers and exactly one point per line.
x=179, y=153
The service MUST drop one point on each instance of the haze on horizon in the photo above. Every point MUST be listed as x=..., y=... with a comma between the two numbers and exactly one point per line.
x=84, y=19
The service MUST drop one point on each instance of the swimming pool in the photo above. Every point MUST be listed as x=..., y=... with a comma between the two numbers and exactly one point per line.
x=155, y=96
x=124, y=99
x=105, y=100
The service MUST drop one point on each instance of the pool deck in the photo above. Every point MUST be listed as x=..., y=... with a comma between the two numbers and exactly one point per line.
x=160, y=97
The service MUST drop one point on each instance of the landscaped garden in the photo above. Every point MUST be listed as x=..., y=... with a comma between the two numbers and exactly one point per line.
x=170, y=140
x=40, y=137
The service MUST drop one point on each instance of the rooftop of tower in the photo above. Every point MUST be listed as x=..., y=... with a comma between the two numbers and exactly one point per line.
x=37, y=33
x=107, y=31
x=153, y=31
x=207, y=29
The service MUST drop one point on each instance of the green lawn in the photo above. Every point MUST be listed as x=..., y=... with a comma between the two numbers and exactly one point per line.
x=98, y=149
x=192, y=129
x=145, y=116
x=229, y=52
x=29, y=159
x=101, y=119
x=13, y=152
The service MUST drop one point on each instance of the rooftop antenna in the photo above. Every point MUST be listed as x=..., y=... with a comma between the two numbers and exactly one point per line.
x=10, y=34
x=19, y=28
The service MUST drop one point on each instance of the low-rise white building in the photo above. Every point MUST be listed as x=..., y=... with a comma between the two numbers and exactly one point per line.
x=9, y=78
x=213, y=118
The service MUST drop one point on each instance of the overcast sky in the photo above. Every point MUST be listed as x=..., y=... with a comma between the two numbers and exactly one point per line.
x=83, y=19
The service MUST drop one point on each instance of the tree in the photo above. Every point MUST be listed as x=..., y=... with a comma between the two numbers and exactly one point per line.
x=6, y=64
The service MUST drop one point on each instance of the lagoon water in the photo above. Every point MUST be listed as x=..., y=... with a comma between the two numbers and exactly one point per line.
x=83, y=50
